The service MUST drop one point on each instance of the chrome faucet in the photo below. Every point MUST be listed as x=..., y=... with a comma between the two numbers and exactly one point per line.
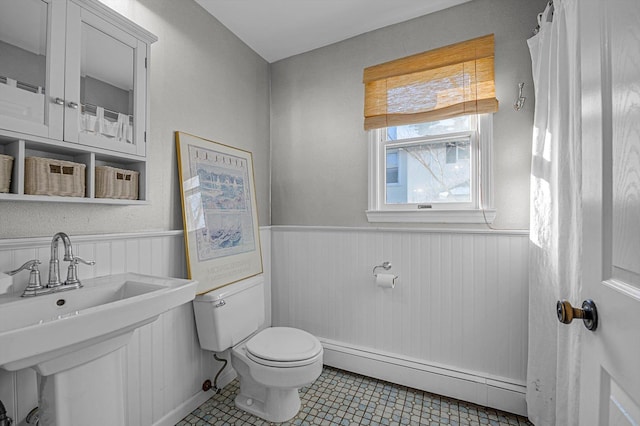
x=35, y=287
x=54, y=264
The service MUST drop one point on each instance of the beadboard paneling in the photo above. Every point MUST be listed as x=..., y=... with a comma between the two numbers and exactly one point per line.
x=460, y=303
x=460, y=306
x=164, y=365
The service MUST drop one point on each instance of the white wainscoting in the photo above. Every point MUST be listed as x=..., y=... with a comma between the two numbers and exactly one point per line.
x=164, y=365
x=455, y=324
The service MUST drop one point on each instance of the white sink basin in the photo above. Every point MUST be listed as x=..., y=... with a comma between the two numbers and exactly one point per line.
x=58, y=331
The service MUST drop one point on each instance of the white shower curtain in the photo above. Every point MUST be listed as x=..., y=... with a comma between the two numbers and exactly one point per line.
x=554, y=260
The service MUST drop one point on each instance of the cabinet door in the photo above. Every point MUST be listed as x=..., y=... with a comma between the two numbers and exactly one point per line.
x=105, y=84
x=32, y=66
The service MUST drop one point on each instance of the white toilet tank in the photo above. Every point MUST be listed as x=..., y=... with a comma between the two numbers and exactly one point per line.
x=230, y=314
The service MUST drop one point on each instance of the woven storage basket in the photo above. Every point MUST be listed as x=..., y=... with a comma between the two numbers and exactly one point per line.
x=116, y=183
x=46, y=176
x=6, y=163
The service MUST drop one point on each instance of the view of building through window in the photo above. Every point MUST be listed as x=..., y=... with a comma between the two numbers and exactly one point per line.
x=425, y=164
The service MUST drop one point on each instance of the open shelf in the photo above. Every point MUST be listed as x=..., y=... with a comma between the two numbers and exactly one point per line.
x=21, y=148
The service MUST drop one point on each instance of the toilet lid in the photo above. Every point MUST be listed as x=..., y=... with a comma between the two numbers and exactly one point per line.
x=283, y=344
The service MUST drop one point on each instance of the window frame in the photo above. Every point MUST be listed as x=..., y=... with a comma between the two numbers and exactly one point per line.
x=479, y=210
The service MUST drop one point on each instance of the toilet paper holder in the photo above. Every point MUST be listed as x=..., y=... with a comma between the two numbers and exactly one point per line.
x=385, y=265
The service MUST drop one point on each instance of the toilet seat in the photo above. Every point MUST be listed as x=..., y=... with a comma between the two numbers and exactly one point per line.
x=283, y=347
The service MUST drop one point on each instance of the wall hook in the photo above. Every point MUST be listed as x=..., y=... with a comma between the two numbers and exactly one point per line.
x=519, y=103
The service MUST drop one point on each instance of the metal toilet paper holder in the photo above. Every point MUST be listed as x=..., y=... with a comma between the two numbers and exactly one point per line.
x=385, y=265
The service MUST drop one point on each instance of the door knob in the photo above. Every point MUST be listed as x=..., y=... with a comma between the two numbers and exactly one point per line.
x=589, y=314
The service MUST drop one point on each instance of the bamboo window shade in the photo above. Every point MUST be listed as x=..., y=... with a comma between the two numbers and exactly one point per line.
x=446, y=82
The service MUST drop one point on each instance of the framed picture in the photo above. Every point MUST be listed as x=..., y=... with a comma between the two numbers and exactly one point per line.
x=219, y=212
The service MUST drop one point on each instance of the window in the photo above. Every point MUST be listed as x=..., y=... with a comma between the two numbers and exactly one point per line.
x=437, y=171
x=430, y=119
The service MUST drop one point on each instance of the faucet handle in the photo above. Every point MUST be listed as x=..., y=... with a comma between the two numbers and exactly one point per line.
x=31, y=265
x=77, y=259
x=34, y=287
x=72, y=272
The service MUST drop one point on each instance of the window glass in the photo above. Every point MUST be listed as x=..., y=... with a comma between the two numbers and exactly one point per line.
x=431, y=172
x=392, y=166
x=432, y=128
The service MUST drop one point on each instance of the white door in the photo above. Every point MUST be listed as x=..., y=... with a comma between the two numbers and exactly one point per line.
x=610, y=376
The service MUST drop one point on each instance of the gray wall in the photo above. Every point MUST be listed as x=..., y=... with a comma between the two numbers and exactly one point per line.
x=319, y=147
x=204, y=81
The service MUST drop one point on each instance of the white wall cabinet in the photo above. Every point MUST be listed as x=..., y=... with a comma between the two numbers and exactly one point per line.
x=73, y=86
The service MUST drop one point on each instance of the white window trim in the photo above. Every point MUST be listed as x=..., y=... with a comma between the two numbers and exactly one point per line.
x=484, y=213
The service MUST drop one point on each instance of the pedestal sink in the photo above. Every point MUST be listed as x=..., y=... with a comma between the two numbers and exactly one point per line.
x=73, y=340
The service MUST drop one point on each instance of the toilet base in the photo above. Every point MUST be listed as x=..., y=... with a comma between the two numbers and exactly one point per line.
x=271, y=393
x=279, y=405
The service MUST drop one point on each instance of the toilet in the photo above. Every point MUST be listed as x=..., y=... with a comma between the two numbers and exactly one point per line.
x=272, y=363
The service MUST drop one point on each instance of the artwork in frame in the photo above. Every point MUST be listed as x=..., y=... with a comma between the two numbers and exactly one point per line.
x=219, y=211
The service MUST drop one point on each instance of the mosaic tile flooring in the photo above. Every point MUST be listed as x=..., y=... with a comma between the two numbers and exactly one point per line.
x=342, y=398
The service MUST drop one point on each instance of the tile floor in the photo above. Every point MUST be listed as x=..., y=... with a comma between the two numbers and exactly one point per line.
x=342, y=398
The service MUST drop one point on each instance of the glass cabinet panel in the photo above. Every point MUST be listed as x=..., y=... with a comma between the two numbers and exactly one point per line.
x=23, y=62
x=106, y=86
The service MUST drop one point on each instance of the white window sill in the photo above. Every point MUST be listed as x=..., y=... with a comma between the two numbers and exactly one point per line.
x=432, y=216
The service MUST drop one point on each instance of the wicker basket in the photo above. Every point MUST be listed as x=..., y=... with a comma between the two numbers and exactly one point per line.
x=6, y=163
x=46, y=176
x=116, y=183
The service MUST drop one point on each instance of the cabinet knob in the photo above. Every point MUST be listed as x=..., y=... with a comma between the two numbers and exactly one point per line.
x=589, y=314
x=72, y=105
x=58, y=101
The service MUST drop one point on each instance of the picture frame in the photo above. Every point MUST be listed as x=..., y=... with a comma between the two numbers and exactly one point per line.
x=219, y=212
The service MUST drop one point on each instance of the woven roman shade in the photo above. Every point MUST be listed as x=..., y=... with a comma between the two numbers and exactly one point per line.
x=446, y=82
